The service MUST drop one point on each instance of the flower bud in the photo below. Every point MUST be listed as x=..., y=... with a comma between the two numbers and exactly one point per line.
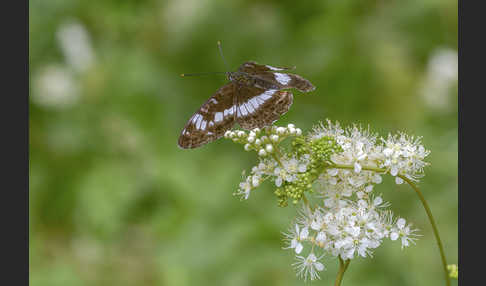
x=247, y=147
x=269, y=148
x=262, y=152
x=281, y=130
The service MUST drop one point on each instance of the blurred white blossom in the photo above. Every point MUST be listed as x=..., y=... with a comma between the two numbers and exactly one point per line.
x=54, y=87
x=76, y=46
x=441, y=75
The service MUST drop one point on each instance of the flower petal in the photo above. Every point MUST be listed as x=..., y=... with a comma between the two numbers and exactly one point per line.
x=298, y=248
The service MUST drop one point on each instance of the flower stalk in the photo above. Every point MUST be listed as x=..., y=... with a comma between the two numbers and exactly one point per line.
x=342, y=268
x=434, y=227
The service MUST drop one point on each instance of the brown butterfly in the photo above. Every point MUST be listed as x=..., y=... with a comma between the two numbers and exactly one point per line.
x=254, y=97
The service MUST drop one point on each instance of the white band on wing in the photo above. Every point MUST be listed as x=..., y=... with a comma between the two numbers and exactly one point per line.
x=282, y=78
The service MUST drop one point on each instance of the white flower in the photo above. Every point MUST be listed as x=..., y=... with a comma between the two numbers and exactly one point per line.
x=296, y=237
x=404, y=232
x=255, y=180
x=332, y=172
x=245, y=188
x=321, y=238
x=291, y=167
x=307, y=267
x=398, y=180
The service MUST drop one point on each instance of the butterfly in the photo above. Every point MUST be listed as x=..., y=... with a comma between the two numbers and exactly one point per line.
x=256, y=96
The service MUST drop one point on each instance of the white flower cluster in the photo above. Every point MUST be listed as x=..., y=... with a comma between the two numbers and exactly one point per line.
x=399, y=154
x=269, y=168
x=258, y=173
x=404, y=155
x=349, y=220
x=338, y=185
x=350, y=231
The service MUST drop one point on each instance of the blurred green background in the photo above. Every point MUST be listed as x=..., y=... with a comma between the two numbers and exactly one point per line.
x=114, y=201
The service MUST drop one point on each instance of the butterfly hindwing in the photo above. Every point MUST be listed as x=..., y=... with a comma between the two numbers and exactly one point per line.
x=212, y=120
x=275, y=77
x=257, y=107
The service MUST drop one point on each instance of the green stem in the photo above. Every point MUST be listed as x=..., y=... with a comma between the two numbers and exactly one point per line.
x=434, y=227
x=275, y=153
x=275, y=147
x=278, y=160
x=342, y=268
x=306, y=202
x=426, y=207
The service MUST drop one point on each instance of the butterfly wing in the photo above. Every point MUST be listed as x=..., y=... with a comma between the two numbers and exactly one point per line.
x=271, y=77
x=211, y=120
x=257, y=107
x=254, y=68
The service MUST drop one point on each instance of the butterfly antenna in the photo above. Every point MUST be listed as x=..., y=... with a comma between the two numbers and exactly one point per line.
x=221, y=52
x=201, y=73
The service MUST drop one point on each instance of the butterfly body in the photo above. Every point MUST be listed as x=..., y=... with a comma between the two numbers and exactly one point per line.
x=254, y=97
x=243, y=78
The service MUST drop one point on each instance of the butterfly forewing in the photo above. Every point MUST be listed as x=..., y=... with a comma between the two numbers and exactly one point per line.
x=212, y=120
x=272, y=76
x=254, y=68
x=257, y=107
x=255, y=97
